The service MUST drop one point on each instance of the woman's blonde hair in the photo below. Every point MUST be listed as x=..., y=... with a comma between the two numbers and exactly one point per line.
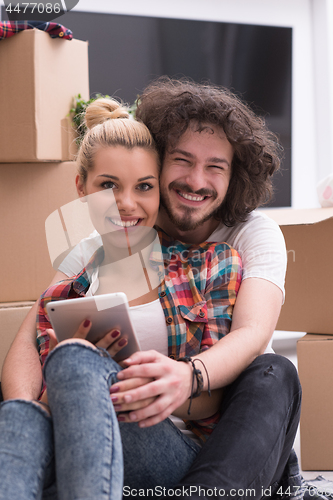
x=109, y=124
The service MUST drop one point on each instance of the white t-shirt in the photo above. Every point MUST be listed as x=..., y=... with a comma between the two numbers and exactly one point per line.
x=261, y=245
x=259, y=241
x=81, y=254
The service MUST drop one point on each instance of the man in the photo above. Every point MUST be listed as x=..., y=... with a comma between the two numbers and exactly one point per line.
x=217, y=161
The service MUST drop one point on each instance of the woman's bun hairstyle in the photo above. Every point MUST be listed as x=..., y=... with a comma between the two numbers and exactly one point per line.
x=104, y=109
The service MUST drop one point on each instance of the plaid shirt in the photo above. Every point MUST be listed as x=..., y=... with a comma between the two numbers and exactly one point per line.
x=197, y=296
x=55, y=30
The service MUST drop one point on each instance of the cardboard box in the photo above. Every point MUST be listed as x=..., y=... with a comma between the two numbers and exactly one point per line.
x=309, y=240
x=315, y=366
x=39, y=78
x=29, y=193
x=11, y=318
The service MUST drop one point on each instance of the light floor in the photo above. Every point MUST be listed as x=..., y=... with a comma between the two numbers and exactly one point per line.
x=284, y=343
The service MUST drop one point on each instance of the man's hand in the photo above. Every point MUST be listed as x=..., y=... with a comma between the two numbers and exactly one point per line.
x=119, y=390
x=169, y=387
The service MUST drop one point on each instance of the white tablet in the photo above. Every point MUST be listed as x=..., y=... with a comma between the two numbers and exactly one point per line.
x=104, y=311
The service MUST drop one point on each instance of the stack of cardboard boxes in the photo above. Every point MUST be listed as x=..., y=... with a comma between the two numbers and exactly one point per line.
x=309, y=308
x=39, y=78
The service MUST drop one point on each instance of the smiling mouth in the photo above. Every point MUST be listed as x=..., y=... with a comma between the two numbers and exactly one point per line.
x=191, y=197
x=123, y=223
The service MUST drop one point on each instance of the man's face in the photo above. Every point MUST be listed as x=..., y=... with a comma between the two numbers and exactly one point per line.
x=195, y=176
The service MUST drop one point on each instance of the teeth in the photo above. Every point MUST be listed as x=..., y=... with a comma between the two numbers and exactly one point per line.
x=122, y=223
x=192, y=197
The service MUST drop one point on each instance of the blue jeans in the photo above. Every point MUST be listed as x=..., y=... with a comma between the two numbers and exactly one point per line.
x=248, y=450
x=83, y=445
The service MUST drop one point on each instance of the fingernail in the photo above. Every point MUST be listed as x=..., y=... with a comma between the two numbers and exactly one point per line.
x=122, y=342
x=114, y=399
x=120, y=418
x=115, y=334
x=114, y=388
x=86, y=323
x=132, y=416
x=117, y=407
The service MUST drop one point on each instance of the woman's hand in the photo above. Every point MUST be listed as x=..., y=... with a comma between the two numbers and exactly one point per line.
x=170, y=387
x=112, y=341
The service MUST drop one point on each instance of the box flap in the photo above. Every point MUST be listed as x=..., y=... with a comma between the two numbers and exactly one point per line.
x=13, y=305
x=293, y=217
x=314, y=337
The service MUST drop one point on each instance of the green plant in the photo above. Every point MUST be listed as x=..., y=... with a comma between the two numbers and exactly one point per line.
x=78, y=111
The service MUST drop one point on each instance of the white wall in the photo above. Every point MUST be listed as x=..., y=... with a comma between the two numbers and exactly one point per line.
x=312, y=85
x=323, y=82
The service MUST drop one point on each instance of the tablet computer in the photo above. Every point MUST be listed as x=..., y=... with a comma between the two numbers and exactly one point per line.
x=106, y=312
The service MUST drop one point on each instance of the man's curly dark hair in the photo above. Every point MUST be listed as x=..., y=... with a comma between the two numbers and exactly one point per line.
x=169, y=106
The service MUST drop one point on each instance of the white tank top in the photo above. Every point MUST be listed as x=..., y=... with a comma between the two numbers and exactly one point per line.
x=149, y=323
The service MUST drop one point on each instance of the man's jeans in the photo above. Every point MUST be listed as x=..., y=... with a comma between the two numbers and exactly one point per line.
x=90, y=447
x=248, y=451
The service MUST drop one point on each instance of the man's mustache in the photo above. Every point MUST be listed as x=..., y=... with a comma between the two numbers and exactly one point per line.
x=186, y=189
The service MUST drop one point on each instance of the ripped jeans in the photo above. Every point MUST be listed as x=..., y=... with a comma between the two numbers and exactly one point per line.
x=83, y=446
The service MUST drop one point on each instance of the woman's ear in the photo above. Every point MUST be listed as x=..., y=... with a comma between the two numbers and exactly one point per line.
x=80, y=187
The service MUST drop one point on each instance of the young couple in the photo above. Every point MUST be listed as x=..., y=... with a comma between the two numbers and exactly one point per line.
x=217, y=159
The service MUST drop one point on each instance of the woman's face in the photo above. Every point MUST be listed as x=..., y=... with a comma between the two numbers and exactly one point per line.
x=122, y=191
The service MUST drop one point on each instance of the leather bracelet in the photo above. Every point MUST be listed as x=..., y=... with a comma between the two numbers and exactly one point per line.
x=196, y=375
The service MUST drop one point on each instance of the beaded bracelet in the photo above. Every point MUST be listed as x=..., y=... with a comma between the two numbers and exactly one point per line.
x=196, y=374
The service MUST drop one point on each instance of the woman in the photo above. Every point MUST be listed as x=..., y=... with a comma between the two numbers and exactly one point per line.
x=191, y=307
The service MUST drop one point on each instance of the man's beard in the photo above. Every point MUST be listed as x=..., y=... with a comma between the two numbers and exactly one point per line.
x=185, y=222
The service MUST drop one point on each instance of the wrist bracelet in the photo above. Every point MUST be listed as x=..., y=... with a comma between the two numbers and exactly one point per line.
x=196, y=375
